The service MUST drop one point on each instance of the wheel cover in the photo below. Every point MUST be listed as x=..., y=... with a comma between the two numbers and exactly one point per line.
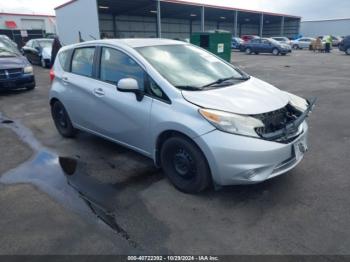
x=60, y=116
x=184, y=164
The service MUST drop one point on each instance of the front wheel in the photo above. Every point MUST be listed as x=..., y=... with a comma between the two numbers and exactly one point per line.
x=275, y=51
x=185, y=165
x=295, y=47
x=347, y=51
x=248, y=51
x=62, y=120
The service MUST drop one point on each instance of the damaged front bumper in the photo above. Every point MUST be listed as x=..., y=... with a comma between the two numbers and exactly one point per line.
x=292, y=129
x=235, y=159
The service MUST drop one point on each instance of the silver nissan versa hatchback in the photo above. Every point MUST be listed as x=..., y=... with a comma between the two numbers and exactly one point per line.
x=201, y=119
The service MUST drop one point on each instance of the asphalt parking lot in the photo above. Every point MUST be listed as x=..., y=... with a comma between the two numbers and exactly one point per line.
x=306, y=211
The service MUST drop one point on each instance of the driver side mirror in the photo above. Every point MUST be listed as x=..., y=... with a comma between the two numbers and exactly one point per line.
x=130, y=85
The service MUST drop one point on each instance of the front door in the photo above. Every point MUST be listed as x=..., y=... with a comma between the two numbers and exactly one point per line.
x=114, y=114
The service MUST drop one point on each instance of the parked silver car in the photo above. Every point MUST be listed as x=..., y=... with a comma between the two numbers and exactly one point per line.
x=198, y=117
x=282, y=40
x=302, y=43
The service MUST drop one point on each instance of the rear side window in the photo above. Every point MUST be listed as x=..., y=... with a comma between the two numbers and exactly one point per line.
x=116, y=65
x=82, y=62
x=63, y=57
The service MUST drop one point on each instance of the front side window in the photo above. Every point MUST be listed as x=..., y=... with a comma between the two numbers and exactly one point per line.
x=82, y=62
x=116, y=65
x=186, y=66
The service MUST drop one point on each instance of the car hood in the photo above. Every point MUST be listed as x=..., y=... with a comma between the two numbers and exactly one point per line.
x=247, y=98
x=13, y=62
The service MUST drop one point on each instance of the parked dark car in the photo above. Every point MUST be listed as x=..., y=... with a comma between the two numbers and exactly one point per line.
x=38, y=51
x=236, y=43
x=344, y=45
x=266, y=45
x=15, y=70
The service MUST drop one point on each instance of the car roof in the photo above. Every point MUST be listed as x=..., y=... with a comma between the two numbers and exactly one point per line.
x=136, y=42
x=41, y=39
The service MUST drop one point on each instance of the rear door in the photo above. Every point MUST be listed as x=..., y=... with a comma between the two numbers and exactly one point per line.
x=255, y=45
x=78, y=97
x=266, y=46
x=305, y=42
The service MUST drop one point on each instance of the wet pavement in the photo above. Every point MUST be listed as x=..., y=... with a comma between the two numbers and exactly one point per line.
x=90, y=196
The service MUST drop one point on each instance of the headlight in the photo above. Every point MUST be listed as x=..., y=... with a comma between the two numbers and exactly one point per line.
x=28, y=70
x=232, y=123
x=299, y=103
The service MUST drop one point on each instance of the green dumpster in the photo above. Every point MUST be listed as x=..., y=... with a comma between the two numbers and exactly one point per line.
x=217, y=42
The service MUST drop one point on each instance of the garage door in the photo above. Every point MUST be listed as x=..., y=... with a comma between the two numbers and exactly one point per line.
x=33, y=24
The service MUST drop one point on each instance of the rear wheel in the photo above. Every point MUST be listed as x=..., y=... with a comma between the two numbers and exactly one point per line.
x=295, y=47
x=248, y=51
x=62, y=120
x=185, y=165
x=347, y=51
x=275, y=51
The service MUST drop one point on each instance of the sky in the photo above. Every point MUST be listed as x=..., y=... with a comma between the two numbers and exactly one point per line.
x=307, y=9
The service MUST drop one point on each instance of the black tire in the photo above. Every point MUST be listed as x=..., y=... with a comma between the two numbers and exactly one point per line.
x=295, y=47
x=256, y=53
x=275, y=52
x=30, y=87
x=62, y=121
x=347, y=51
x=185, y=165
x=248, y=51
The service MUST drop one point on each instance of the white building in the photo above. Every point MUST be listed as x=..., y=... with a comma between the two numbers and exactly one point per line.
x=22, y=27
x=336, y=27
x=92, y=19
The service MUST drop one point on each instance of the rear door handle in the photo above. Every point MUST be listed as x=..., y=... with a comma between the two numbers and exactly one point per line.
x=99, y=92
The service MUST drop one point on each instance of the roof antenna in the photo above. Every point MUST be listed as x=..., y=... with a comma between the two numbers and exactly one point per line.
x=80, y=38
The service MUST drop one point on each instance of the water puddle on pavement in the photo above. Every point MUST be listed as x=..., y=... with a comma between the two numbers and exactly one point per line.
x=66, y=180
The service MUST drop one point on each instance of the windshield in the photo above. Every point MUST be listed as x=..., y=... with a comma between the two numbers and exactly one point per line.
x=45, y=43
x=188, y=66
x=7, y=49
x=273, y=41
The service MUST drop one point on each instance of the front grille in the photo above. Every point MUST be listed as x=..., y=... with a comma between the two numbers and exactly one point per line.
x=278, y=120
x=10, y=73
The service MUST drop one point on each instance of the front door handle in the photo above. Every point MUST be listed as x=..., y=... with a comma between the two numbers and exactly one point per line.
x=99, y=92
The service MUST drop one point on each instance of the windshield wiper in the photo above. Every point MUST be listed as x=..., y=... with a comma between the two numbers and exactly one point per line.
x=189, y=88
x=222, y=80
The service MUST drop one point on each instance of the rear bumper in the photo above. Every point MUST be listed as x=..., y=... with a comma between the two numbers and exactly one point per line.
x=237, y=159
x=25, y=81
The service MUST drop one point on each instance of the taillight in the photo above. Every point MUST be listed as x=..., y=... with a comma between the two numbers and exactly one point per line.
x=52, y=74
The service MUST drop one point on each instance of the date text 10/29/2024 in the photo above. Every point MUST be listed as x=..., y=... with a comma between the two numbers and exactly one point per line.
x=173, y=258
